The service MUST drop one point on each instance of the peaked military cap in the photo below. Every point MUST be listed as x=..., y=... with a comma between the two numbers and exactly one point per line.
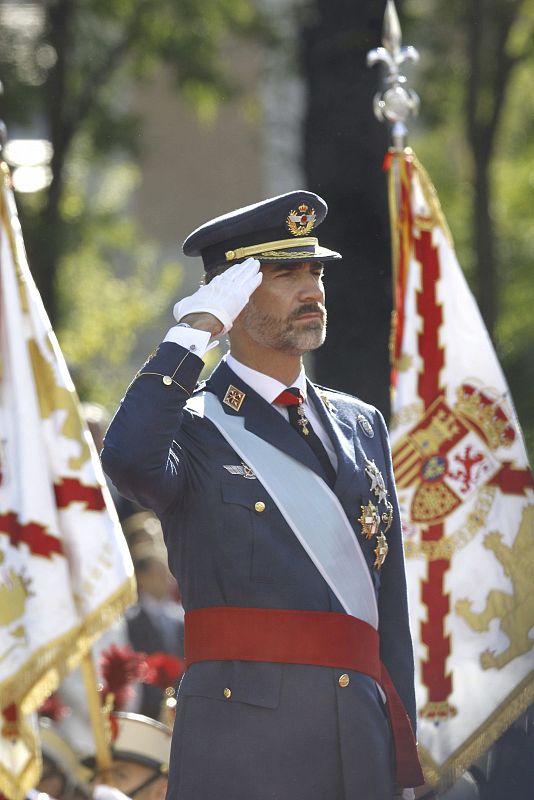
x=279, y=229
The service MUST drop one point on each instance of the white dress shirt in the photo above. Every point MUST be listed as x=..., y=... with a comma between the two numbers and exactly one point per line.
x=198, y=342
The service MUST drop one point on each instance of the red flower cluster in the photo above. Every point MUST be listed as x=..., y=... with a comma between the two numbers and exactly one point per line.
x=120, y=667
x=164, y=669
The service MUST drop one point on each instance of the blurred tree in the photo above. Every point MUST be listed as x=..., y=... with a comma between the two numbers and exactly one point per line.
x=67, y=68
x=344, y=146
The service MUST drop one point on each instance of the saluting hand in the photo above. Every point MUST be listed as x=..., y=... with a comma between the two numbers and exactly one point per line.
x=216, y=305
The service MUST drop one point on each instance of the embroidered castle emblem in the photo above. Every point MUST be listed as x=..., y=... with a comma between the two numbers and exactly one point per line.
x=301, y=221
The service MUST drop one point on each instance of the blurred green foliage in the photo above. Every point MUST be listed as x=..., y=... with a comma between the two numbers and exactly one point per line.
x=68, y=68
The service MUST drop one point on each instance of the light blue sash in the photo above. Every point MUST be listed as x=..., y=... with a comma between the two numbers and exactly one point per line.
x=309, y=507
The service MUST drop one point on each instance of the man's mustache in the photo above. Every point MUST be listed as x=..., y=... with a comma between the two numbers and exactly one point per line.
x=308, y=308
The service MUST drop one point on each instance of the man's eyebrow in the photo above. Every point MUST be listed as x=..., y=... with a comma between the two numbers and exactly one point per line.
x=278, y=267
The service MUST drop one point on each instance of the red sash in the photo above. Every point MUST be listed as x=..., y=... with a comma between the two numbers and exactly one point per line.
x=322, y=638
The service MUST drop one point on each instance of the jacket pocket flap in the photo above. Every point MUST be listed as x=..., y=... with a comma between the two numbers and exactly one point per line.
x=256, y=684
x=246, y=496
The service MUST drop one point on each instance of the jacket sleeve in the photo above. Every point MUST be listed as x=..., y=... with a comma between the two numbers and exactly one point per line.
x=140, y=454
x=395, y=638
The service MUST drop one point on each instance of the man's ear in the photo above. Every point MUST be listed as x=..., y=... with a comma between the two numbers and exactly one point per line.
x=159, y=789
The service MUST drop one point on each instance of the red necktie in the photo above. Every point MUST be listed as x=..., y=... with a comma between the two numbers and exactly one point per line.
x=292, y=399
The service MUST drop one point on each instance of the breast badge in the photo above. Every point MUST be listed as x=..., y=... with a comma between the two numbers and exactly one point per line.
x=378, y=486
x=365, y=425
x=372, y=516
x=381, y=550
x=240, y=469
x=369, y=520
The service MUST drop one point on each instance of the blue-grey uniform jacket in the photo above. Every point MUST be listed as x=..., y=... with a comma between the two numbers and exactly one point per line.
x=281, y=732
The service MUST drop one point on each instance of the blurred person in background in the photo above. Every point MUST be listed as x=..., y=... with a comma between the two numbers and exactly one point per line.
x=156, y=622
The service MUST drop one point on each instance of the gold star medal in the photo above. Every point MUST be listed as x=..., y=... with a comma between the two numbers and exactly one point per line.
x=369, y=520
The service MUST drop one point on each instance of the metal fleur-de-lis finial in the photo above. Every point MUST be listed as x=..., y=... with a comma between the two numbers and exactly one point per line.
x=396, y=102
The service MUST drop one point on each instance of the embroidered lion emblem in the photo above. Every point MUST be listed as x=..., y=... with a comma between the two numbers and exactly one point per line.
x=515, y=611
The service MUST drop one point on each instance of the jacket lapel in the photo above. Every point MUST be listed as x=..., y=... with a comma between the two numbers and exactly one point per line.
x=342, y=437
x=261, y=418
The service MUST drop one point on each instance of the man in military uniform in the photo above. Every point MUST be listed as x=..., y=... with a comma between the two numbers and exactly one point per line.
x=280, y=516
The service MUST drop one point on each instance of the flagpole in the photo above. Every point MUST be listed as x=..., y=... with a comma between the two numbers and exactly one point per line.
x=394, y=105
x=97, y=713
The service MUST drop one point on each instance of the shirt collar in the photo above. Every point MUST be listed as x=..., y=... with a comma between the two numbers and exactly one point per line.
x=267, y=387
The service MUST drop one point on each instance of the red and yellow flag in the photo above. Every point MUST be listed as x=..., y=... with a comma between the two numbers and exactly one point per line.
x=466, y=493
x=65, y=570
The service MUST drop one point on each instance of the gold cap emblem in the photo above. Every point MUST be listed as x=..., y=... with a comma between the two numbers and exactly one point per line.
x=301, y=221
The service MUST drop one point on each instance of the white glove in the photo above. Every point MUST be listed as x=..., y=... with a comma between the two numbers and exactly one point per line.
x=225, y=296
x=104, y=792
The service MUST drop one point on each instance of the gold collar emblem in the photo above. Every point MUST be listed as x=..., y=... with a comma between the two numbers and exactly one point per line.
x=234, y=398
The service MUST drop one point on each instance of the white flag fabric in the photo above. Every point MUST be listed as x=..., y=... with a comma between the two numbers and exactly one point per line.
x=65, y=569
x=466, y=494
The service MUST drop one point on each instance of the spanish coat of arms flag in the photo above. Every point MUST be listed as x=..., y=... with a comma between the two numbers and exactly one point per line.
x=466, y=494
x=65, y=569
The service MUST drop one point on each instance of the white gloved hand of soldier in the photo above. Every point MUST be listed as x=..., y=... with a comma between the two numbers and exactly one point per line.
x=104, y=792
x=225, y=296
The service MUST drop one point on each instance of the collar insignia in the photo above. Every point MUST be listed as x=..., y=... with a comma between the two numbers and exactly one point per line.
x=365, y=425
x=234, y=398
x=300, y=221
x=326, y=402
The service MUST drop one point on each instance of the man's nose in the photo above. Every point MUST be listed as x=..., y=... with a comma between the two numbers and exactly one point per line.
x=311, y=289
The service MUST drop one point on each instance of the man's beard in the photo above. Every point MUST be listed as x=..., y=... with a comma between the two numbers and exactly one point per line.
x=286, y=335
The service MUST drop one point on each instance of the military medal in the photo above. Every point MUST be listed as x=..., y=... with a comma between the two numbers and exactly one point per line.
x=369, y=520
x=387, y=517
x=381, y=550
x=378, y=487
x=302, y=420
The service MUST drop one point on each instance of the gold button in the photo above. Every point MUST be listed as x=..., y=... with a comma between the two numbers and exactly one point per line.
x=344, y=680
x=227, y=693
x=167, y=380
x=259, y=506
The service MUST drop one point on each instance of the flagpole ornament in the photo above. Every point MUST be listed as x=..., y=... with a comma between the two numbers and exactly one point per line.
x=3, y=129
x=396, y=102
